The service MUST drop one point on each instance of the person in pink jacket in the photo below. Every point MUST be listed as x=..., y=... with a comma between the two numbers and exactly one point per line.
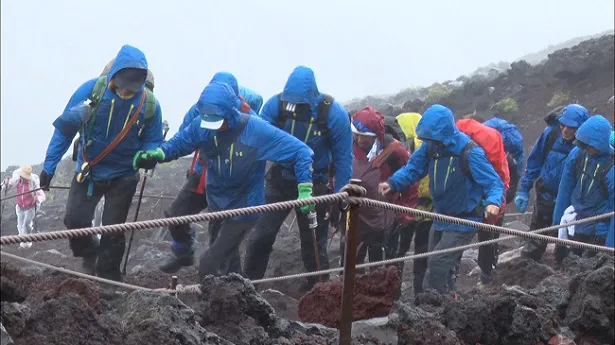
x=26, y=203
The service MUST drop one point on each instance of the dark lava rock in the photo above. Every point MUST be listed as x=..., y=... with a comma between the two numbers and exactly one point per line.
x=82, y=287
x=9, y=291
x=68, y=320
x=591, y=307
x=231, y=308
x=374, y=296
x=155, y=318
x=521, y=271
x=14, y=317
x=419, y=327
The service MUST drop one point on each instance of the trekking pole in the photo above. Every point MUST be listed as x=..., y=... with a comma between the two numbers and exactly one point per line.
x=165, y=130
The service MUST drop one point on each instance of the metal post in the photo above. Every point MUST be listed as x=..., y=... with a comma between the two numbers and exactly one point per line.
x=350, y=261
x=174, y=285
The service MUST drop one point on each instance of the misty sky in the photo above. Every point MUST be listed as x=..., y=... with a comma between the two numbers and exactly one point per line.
x=356, y=47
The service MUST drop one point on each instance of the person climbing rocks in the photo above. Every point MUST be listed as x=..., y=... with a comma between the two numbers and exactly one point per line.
x=544, y=166
x=26, y=204
x=323, y=124
x=490, y=140
x=192, y=198
x=377, y=156
x=419, y=227
x=454, y=192
x=235, y=147
x=515, y=154
x=116, y=117
x=587, y=184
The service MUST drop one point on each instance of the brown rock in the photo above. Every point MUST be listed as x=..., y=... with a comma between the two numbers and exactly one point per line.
x=374, y=296
x=84, y=288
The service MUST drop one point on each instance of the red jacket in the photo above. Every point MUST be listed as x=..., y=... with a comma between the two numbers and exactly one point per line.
x=397, y=159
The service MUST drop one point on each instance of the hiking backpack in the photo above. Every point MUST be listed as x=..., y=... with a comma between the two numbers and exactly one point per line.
x=322, y=119
x=552, y=121
x=601, y=174
x=392, y=127
x=95, y=96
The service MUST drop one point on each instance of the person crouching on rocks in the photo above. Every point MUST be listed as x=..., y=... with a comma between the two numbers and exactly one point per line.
x=376, y=157
x=236, y=147
x=27, y=204
x=454, y=193
x=587, y=184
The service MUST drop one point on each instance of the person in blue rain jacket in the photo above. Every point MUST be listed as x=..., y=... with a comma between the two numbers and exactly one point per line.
x=235, y=147
x=513, y=145
x=113, y=177
x=191, y=198
x=587, y=182
x=252, y=98
x=323, y=124
x=453, y=192
x=544, y=168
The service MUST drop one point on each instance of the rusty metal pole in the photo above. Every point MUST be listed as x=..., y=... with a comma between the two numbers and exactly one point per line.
x=350, y=261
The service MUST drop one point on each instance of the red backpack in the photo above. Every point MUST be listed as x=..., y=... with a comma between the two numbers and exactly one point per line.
x=490, y=140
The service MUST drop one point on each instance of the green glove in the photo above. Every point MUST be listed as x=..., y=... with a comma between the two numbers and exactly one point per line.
x=305, y=191
x=148, y=159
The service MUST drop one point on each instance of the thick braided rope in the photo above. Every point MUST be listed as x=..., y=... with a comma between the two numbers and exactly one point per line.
x=494, y=228
x=196, y=289
x=164, y=222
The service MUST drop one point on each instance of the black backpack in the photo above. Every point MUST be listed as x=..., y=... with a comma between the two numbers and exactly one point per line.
x=601, y=174
x=322, y=119
x=551, y=120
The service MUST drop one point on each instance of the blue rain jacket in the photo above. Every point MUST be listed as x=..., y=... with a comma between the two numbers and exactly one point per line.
x=337, y=148
x=236, y=173
x=590, y=192
x=254, y=100
x=513, y=140
x=108, y=122
x=453, y=192
x=549, y=168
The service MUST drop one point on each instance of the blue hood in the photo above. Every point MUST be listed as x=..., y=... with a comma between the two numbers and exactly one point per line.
x=128, y=57
x=574, y=116
x=219, y=99
x=301, y=87
x=252, y=98
x=227, y=78
x=594, y=132
x=438, y=123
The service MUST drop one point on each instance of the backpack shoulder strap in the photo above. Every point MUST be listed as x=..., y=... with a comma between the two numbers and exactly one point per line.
x=386, y=154
x=98, y=90
x=150, y=106
x=282, y=112
x=551, y=138
x=465, y=157
x=322, y=121
x=604, y=171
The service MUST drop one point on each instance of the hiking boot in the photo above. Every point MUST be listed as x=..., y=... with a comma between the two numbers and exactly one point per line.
x=177, y=261
x=113, y=274
x=89, y=265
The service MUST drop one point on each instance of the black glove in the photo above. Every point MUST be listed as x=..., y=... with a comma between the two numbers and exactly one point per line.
x=45, y=180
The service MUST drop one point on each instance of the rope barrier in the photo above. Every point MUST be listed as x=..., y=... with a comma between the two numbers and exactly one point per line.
x=156, y=223
x=343, y=196
x=494, y=228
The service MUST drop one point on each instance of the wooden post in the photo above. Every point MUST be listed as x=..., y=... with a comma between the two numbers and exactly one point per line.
x=174, y=285
x=350, y=261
